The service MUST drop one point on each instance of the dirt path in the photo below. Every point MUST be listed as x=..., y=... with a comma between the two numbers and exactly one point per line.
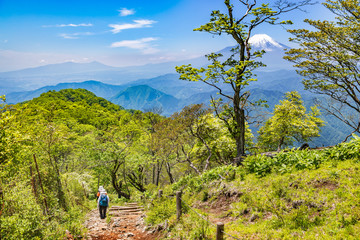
x=126, y=222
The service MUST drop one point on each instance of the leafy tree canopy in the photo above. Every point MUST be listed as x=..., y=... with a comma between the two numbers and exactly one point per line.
x=329, y=57
x=290, y=123
x=238, y=21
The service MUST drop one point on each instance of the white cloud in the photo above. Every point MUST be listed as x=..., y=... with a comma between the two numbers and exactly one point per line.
x=136, y=44
x=137, y=24
x=68, y=36
x=126, y=12
x=141, y=44
x=75, y=35
x=70, y=25
x=75, y=25
x=150, y=50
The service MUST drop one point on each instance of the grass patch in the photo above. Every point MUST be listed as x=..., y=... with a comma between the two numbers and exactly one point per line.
x=296, y=195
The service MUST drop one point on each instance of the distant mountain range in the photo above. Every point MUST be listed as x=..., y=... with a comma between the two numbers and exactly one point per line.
x=60, y=69
x=98, y=88
x=157, y=85
x=70, y=72
x=143, y=97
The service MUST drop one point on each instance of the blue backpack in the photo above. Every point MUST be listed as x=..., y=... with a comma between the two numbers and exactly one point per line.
x=103, y=200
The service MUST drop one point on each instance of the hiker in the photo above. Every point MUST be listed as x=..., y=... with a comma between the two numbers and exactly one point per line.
x=103, y=202
x=101, y=189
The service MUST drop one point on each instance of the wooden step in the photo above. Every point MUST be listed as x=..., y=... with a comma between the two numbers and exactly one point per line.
x=119, y=214
x=129, y=209
x=125, y=212
x=124, y=208
x=133, y=210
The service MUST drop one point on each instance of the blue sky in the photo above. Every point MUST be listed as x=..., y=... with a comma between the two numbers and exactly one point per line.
x=116, y=32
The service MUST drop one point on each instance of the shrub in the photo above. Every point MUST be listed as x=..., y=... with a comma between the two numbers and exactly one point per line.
x=19, y=220
x=196, y=183
x=284, y=162
x=162, y=210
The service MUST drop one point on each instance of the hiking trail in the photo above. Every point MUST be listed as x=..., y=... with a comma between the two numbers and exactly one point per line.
x=122, y=222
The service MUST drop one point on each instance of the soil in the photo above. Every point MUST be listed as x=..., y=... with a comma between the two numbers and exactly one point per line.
x=122, y=222
x=323, y=183
x=218, y=209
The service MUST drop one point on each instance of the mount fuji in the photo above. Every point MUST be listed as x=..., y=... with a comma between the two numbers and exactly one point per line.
x=265, y=42
x=274, y=52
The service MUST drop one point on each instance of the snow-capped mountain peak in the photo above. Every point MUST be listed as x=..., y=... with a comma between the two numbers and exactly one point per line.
x=265, y=42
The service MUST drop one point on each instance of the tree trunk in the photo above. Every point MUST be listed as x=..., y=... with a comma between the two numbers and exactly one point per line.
x=46, y=210
x=168, y=170
x=115, y=182
x=2, y=203
x=193, y=166
x=242, y=130
x=118, y=187
x=239, y=119
x=125, y=181
x=154, y=173
x=60, y=192
x=33, y=183
x=281, y=142
x=136, y=180
x=158, y=172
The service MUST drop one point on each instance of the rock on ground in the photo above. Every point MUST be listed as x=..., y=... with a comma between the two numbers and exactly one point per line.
x=122, y=222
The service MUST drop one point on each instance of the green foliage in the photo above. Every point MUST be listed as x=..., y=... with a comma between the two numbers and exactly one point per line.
x=289, y=123
x=284, y=162
x=58, y=129
x=77, y=185
x=71, y=139
x=303, y=200
x=328, y=59
x=19, y=220
x=260, y=165
x=196, y=184
x=192, y=227
x=162, y=210
x=238, y=21
x=219, y=140
x=85, y=97
x=8, y=145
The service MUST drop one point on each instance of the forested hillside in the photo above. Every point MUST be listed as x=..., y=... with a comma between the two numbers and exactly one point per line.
x=55, y=149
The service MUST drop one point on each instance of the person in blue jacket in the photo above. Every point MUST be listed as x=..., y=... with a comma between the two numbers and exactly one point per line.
x=103, y=202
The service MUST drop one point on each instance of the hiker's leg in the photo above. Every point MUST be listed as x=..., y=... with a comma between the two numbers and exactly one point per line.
x=105, y=212
x=100, y=212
